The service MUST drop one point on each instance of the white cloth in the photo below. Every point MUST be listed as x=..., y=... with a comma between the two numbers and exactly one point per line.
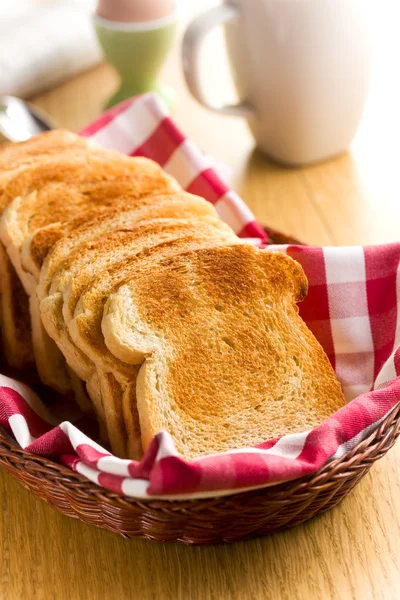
x=43, y=45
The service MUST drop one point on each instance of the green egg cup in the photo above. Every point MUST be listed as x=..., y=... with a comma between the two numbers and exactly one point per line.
x=137, y=51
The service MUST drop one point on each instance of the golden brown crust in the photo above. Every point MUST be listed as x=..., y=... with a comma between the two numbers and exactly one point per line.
x=50, y=143
x=14, y=158
x=232, y=364
x=55, y=192
x=42, y=241
x=124, y=213
x=72, y=183
x=111, y=395
x=85, y=328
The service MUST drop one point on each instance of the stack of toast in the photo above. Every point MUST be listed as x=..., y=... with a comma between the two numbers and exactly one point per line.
x=132, y=296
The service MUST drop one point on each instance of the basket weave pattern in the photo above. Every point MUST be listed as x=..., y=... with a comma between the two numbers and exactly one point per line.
x=213, y=520
x=227, y=519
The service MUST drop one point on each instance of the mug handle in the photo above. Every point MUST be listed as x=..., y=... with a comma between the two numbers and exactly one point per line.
x=192, y=39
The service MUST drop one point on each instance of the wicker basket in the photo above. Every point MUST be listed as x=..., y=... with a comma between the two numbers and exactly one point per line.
x=209, y=521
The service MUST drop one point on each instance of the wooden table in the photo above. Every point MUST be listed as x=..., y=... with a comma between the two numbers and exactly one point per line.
x=351, y=552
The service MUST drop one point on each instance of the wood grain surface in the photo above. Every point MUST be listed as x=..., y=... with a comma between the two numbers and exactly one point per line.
x=352, y=552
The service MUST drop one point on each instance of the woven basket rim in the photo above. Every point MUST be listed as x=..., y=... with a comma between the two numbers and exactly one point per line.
x=295, y=484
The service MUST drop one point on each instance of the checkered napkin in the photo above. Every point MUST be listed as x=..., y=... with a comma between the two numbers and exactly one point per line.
x=353, y=308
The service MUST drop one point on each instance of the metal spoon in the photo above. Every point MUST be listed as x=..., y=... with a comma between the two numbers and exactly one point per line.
x=20, y=120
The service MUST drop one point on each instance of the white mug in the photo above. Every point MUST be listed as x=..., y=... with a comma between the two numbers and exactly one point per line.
x=301, y=67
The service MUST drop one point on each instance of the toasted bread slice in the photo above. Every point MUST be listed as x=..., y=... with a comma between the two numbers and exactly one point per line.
x=89, y=261
x=129, y=212
x=17, y=181
x=85, y=327
x=130, y=415
x=94, y=391
x=14, y=313
x=46, y=145
x=101, y=255
x=49, y=361
x=226, y=361
x=86, y=332
x=111, y=398
x=60, y=190
x=121, y=417
x=18, y=159
x=80, y=393
x=179, y=205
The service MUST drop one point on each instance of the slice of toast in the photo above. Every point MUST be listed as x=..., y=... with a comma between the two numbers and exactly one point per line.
x=49, y=361
x=94, y=391
x=99, y=258
x=93, y=257
x=90, y=260
x=47, y=144
x=61, y=189
x=17, y=180
x=226, y=361
x=130, y=414
x=179, y=205
x=111, y=398
x=85, y=327
x=56, y=192
x=124, y=214
x=14, y=313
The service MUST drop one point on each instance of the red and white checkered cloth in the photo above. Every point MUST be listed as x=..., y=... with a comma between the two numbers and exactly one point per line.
x=353, y=308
